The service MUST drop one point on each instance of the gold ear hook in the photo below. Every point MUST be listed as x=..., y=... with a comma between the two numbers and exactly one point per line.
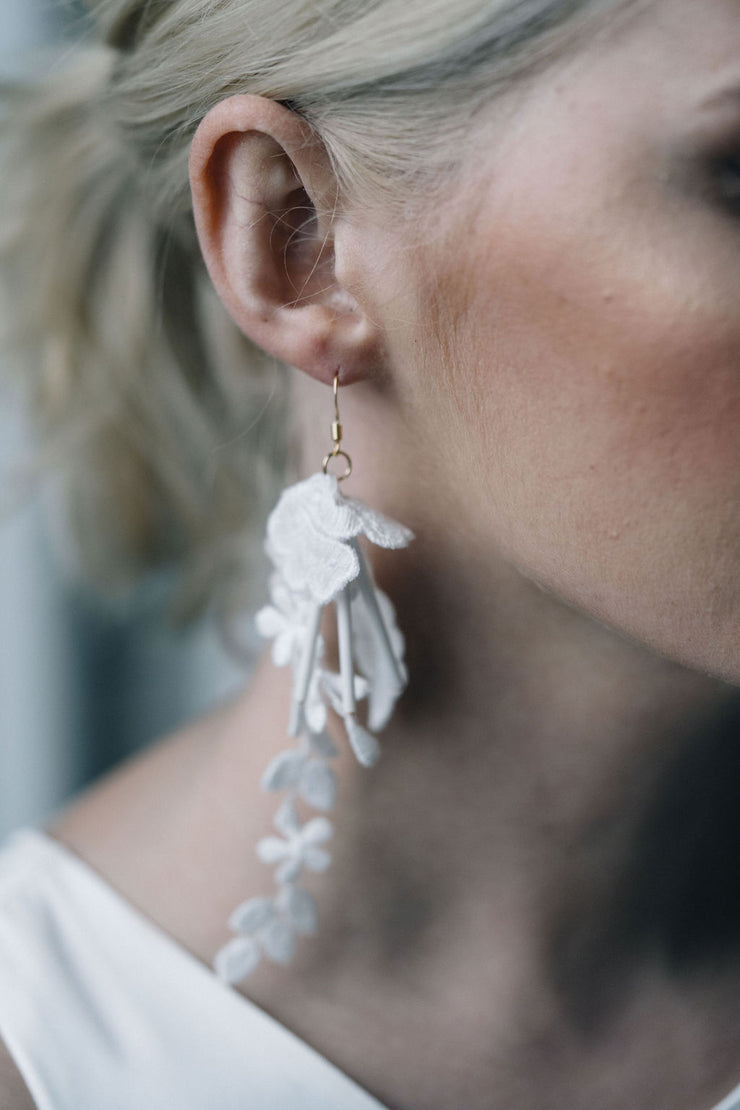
x=336, y=436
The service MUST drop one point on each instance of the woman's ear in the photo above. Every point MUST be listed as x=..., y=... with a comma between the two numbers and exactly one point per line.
x=264, y=200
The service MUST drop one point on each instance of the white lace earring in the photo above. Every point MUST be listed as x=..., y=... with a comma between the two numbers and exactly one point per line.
x=312, y=541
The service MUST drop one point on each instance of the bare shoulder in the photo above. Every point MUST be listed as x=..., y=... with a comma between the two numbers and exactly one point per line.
x=175, y=803
x=129, y=807
x=14, y=1094
x=153, y=826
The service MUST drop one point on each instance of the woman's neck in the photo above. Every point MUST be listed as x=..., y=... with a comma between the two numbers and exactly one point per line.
x=542, y=834
x=537, y=769
x=537, y=872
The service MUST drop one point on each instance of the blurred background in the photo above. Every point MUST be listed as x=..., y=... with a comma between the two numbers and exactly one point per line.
x=80, y=687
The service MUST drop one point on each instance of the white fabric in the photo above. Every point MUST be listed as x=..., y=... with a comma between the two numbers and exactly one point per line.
x=102, y=1010
x=732, y=1102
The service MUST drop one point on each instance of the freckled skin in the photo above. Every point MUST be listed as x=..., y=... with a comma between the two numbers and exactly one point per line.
x=582, y=303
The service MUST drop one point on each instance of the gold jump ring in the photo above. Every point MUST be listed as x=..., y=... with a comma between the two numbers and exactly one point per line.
x=336, y=435
x=336, y=455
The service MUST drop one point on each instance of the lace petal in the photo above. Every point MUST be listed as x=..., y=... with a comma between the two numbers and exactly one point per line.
x=289, y=871
x=318, y=785
x=271, y=849
x=278, y=941
x=237, y=959
x=378, y=527
x=282, y=647
x=284, y=771
x=300, y=905
x=322, y=744
x=316, y=859
x=364, y=744
x=252, y=915
x=269, y=622
x=317, y=830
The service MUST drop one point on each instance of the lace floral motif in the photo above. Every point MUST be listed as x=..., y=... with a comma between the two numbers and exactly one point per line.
x=312, y=540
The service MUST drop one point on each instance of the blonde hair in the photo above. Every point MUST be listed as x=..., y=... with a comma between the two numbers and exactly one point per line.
x=167, y=426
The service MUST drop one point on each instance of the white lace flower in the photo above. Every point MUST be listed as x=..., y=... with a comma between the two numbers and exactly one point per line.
x=262, y=930
x=295, y=915
x=285, y=622
x=308, y=774
x=269, y=925
x=308, y=536
x=300, y=848
x=275, y=923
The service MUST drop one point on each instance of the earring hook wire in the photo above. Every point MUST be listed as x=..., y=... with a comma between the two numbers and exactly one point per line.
x=336, y=435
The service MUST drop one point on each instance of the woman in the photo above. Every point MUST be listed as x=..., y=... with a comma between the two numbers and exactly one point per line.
x=510, y=233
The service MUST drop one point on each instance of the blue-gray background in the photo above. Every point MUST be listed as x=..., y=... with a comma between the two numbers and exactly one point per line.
x=80, y=689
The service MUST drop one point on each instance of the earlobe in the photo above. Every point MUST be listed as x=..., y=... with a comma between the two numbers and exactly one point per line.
x=264, y=201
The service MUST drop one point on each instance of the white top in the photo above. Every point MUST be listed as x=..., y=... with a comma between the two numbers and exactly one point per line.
x=99, y=1007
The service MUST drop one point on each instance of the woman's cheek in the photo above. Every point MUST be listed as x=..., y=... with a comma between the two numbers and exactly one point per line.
x=597, y=400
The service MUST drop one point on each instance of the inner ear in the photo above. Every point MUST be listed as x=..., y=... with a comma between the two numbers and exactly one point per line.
x=306, y=251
